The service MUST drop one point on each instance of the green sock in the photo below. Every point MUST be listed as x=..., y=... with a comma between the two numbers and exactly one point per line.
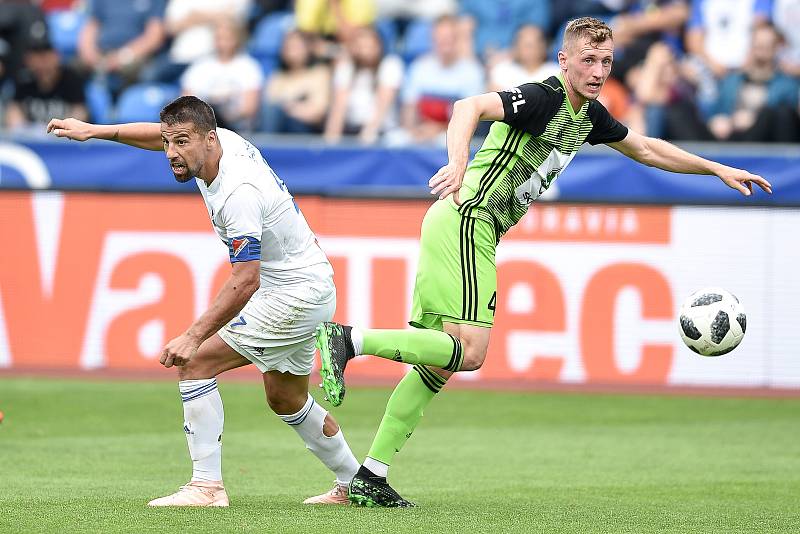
x=403, y=412
x=417, y=347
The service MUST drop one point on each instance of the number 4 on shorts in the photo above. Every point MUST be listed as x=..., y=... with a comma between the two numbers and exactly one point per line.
x=493, y=302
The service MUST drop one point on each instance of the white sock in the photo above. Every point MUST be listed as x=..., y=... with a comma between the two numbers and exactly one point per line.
x=378, y=468
x=203, y=419
x=358, y=340
x=332, y=451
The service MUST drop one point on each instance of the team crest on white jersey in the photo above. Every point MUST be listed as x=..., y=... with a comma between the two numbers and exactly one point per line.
x=239, y=245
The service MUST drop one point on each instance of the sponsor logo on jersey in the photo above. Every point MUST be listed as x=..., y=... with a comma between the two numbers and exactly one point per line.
x=542, y=178
x=516, y=98
x=239, y=245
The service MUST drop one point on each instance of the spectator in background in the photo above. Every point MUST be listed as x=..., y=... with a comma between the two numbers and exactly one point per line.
x=651, y=19
x=45, y=89
x=643, y=23
x=365, y=84
x=717, y=41
x=190, y=25
x=230, y=80
x=297, y=94
x=719, y=31
x=786, y=17
x=759, y=102
x=21, y=22
x=435, y=81
x=664, y=104
x=528, y=61
x=493, y=24
x=332, y=21
x=120, y=38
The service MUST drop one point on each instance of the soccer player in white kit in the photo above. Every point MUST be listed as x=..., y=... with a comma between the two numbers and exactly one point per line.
x=280, y=289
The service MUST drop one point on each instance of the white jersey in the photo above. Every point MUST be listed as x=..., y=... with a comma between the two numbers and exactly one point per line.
x=256, y=217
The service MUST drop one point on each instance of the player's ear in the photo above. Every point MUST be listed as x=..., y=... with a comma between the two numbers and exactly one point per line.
x=211, y=137
x=562, y=60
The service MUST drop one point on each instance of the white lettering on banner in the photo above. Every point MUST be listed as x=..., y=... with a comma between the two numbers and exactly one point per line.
x=601, y=222
x=203, y=255
x=632, y=331
x=586, y=293
x=27, y=163
x=106, y=305
x=360, y=253
x=574, y=264
x=48, y=208
x=526, y=345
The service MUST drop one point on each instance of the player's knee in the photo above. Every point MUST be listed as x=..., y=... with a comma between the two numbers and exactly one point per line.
x=277, y=403
x=283, y=403
x=194, y=370
x=473, y=359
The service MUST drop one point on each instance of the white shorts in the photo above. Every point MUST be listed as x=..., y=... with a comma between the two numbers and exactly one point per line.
x=275, y=330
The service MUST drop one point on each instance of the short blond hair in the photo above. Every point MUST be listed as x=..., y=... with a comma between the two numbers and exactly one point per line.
x=579, y=29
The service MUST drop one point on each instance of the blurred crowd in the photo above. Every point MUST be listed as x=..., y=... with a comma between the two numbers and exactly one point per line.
x=389, y=70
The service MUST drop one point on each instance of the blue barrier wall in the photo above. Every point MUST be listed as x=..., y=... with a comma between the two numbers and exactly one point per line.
x=594, y=176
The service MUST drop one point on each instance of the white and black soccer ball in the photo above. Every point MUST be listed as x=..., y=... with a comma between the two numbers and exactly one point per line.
x=712, y=321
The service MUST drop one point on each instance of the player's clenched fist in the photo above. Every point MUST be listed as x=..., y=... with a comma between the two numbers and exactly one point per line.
x=179, y=351
x=70, y=128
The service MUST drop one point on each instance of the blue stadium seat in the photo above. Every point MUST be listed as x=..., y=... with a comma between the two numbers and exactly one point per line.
x=64, y=27
x=143, y=101
x=265, y=44
x=418, y=40
x=387, y=29
x=98, y=102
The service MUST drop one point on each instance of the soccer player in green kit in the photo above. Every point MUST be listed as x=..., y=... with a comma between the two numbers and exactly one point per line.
x=538, y=129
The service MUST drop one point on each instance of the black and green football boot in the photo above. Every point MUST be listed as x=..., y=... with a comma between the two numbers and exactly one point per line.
x=368, y=489
x=335, y=350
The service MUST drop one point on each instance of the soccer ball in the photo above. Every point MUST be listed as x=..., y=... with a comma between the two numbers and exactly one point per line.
x=712, y=321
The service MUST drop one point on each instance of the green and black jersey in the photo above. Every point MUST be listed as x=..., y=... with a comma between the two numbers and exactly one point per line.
x=524, y=153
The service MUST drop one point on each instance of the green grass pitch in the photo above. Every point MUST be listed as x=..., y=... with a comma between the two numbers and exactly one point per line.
x=86, y=456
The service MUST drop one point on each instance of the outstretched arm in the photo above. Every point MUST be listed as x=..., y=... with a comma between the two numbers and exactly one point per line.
x=663, y=155
x=466, y=114
x=145, y=135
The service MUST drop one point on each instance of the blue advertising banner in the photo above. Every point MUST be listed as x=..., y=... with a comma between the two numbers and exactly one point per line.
x=594, y=176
